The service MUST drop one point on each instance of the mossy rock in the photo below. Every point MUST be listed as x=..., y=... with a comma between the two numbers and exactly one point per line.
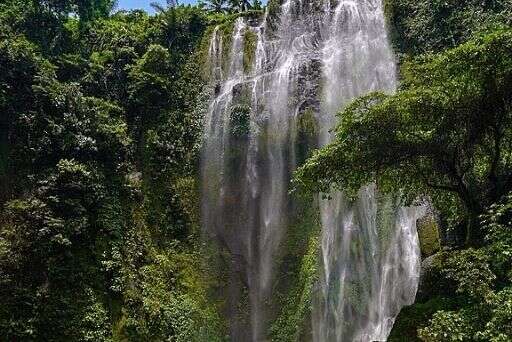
x=240, y=118
x=307, y=124
x=274, y=10
x=299, y=265
x=307, y=132
x=250, y=43
x=432, y=280
x=428, y=232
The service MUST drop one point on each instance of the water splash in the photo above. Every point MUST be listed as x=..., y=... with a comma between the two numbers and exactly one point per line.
x=313, y=58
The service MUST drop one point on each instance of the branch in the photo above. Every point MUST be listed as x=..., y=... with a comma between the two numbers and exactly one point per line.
x=450, y=188
x=443, y=187
x=493, y=172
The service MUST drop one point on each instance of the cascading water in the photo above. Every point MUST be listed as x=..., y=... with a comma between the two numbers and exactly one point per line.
x=370, y=250
x=310, y=57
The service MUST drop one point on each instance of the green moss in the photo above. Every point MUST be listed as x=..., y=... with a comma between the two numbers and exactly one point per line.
x=274, y=9
x=168, y=296
x=226, y=32
x=240, y=121
x=301, y=263
x=188, y=194
x=225, y=26
x=428, y=232
x=250, y=43
x=296, y=311
x=386, y=227
x=307, y=132
x=307, y=124
x=202, y=54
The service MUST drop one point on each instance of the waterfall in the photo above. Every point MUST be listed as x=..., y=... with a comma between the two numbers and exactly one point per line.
x=308, y=59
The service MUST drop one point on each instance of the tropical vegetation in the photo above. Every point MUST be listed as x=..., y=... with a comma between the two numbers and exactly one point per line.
x=100, y=131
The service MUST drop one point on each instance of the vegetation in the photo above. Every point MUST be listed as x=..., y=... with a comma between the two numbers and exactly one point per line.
x=431, y=25
x=250, y=42
x=100, y=129
x=230, y=6
x=98, y=153
x=300, y=257
x=478, y=283
x=429, y=235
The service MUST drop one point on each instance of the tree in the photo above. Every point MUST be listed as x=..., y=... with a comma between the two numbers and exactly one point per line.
x=216, y=6
x=447, y=133
x=19, y=68
x=72, y=151
x=87, y=10
x=90, y=10
x=432, y=25
x=93, y=245
x=480, y=281
x=257, y=5
x=159, y=8
x=223, y=6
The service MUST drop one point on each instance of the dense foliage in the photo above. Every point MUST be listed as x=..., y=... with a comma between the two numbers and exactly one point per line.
x=470, y=298
x=433, y=25
x=99, y=136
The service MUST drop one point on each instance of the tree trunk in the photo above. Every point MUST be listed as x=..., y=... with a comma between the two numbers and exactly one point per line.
x=474, y=235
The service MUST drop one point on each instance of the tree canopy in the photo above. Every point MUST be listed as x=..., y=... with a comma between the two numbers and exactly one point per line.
x=431, y=25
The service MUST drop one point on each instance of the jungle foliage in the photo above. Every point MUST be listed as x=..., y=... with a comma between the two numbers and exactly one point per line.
x=425, y=26
x=470, y=296
x=99, y=138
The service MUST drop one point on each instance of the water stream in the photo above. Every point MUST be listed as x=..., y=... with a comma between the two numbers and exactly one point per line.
x=310, y=59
